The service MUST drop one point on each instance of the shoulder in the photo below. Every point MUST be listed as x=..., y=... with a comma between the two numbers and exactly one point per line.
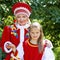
x=25, y=44
x=12, y=27
x=6, y=28
x=9, y=27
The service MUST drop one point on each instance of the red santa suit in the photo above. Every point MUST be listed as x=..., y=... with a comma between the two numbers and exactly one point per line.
x=14, y=34
x=31, y=52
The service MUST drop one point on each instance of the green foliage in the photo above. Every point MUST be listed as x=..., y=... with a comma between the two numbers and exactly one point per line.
x=0, y=54
x=57, y=53
x=8, y=20
x=0, y=34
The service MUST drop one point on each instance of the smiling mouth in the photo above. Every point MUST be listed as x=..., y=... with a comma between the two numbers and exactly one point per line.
x=35, y=36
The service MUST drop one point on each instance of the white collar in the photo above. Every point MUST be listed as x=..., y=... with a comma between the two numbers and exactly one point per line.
x=25, y=26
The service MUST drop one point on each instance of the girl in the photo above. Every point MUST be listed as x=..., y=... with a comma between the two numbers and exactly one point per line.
x=34, y=49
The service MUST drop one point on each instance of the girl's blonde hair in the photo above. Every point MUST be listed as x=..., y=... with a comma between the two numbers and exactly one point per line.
x=40, y=39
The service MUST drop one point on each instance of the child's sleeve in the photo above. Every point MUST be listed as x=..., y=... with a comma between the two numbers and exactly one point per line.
x=48, y=43
x=48, y=54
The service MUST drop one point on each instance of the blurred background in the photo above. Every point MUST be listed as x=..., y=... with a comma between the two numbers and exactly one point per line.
x=46, y=12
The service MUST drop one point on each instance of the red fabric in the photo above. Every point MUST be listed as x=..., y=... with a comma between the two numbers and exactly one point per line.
x=7, y=57
x=31, y=52
x=7, y=36
x=20, y=4
x=14, y=21
x=15, y=53
x=0, y=43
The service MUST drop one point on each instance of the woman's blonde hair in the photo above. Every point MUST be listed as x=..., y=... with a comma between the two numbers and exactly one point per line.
x=40, y=39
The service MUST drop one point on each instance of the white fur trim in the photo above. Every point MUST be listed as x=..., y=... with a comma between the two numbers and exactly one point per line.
x=6, y=50
x=27, y=25
x=48, y=54
x=22, y=13
x=20, y=46
x=23, y=9
x=20, y=50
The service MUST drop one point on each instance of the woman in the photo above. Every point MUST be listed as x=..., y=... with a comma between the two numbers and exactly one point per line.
x=14, y=35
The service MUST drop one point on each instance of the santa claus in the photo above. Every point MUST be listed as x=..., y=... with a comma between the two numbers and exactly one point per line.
x=16, y=34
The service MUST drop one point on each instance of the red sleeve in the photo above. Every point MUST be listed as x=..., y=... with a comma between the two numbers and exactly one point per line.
x=0, y=43
x=5, y=36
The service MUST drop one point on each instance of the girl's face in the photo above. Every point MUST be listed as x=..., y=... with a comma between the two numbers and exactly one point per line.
x=21, y=19
x=35, y=33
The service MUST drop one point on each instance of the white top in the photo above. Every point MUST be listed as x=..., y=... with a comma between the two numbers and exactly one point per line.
x=48, y=54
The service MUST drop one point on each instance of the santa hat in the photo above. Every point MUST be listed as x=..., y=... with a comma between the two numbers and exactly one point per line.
x=21, y=8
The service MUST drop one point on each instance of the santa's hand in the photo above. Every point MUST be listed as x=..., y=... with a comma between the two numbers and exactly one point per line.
x=8, y=46
x=13, y=47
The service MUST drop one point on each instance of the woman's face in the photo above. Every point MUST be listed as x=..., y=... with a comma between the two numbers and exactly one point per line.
x=21, y=19
x=34, y=33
